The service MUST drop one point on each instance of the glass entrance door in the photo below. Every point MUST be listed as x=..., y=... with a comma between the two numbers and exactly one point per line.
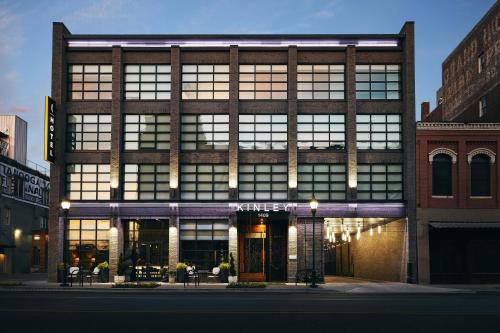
x=253, y=254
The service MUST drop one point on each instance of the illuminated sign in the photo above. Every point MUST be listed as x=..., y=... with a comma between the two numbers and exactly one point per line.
x=263, y=207
x=49, y=150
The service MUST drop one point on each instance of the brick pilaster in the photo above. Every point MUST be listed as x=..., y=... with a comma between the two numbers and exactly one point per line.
x=292, y=123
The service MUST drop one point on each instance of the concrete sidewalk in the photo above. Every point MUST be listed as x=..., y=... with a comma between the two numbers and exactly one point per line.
x=333, y=284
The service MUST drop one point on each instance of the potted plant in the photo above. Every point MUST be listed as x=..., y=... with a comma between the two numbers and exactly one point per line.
x=181, y=271
x=103, y=272
x=224, y=272
x=171, y=276
x=122, y=267
x=232, y=270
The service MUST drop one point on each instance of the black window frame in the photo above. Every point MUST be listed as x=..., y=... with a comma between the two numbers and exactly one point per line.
x=159, y=178
x=316, y=185
x=257, y=130
x=332, y=144
x=480, y=176
x=331, y=82
x=139, y=82
x=197, y=182
x=372, y=143
x=99, y=82
x=273, y=192
x=143, y=144
x=442, y=175
x=360, y=80
x=210, y=145
x=75, y=131
x=372, y=193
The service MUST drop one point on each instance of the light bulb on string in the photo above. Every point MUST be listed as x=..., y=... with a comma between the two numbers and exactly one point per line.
x=379, y=229
x=371, y=231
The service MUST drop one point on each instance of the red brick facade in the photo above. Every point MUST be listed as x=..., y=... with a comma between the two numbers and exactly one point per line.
x=461, y=139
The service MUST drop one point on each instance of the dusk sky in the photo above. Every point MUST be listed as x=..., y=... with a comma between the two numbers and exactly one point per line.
x=26, y=31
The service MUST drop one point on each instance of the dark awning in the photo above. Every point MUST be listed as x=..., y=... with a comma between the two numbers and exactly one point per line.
x=463, y=225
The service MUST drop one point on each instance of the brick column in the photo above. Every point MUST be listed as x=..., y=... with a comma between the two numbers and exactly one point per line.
x=352, y=151
x=116, y=123
x=175, y=97
x=292, y=248
x=408, y=82
x=233, y=239
x=57, y=170
x=233, y=122
x=292, y=122
x=461, y=168
x=173, y=242
x=114, y=252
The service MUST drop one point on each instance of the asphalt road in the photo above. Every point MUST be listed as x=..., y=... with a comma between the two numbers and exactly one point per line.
x=245, y=311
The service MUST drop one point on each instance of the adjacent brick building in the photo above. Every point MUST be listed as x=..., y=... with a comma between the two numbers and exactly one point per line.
x=470, y=90
x=194, y=148
x=457, y=165
x=23, y=203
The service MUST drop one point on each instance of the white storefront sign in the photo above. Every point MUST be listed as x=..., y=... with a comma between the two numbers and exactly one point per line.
x=33, y=186
x=263, y=207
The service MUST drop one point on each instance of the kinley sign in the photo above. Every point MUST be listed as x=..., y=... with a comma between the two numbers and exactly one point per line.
x=263, y=207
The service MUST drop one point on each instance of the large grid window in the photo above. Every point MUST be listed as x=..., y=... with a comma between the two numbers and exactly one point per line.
x=320, y=82
x=263, y=182
x=87, y=181
x=263, y=82
x=89, y=132
x=204, y=182
x=263, y=131
x=205, y=132
x=90, y=82
x=204, y=243
x=147, y=82
x=380, y=181
x=378, y=81
x=378, y=131
x=321, y=131
x=146, y=182
x=205, y=82
x=147, y=132
x=324, y=181
x=88, y=242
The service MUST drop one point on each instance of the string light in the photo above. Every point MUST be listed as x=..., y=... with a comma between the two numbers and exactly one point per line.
x=379, y=229
x=371, y=231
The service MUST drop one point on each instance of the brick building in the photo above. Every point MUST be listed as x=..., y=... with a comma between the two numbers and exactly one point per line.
x=458, y=202
x=470, y=90
x=23, y=203
x=195, y=148
x=457, y=169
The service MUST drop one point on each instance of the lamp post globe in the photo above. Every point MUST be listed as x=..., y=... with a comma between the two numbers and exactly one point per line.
x=314, y=206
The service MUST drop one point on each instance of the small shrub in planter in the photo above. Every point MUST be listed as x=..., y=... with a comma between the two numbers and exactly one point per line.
x=247, y=285
x=181, y=271
x=103, y=272
x=224, y=272
x=232, y=269
x=136, y=285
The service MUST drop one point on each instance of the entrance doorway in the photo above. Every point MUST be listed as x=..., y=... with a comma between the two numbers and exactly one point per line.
x=149, y=239
x=262, y=246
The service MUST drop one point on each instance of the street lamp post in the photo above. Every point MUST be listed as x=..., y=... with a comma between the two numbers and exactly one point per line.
x=65, y=205
x=314, y=205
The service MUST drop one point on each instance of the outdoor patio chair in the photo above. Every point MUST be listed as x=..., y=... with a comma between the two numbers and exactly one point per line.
x=215, y=274
x=90, y=275
x=73, y=273
x=192, y=273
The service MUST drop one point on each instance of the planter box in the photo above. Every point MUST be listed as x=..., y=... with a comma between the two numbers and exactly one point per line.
x=180, y=276
x=104, y=276
x=119, y=278
x=233, y=279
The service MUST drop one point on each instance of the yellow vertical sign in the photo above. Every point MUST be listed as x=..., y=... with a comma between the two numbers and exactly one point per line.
x=49, y=130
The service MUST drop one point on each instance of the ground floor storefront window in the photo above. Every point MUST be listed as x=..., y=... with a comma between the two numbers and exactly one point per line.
x=148, y=239
x=204, y=242
x=88, y=242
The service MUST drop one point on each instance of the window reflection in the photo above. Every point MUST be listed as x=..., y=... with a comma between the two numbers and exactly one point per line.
x=263, y=82
x=205, y=132
x=263, y=132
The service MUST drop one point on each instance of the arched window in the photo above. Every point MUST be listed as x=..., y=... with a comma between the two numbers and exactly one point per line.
x=441, y=175
x=480, y=176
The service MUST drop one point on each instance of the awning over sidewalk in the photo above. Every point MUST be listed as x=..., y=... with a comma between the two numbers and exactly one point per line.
x=463, y=225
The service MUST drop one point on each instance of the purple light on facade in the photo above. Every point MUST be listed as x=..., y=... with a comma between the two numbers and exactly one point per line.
x=389, y=42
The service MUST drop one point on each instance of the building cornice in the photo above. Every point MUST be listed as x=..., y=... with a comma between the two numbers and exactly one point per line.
x=457, y=126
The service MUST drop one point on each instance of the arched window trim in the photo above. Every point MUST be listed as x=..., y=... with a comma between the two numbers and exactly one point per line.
x=446, y=151
x=482, y=151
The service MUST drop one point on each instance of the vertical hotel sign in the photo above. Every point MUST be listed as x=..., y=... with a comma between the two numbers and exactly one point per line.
x=50, y=130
